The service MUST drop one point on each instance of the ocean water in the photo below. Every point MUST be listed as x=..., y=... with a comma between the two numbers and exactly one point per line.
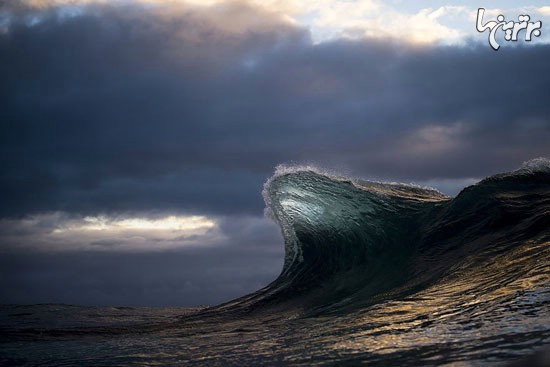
x=375, y=274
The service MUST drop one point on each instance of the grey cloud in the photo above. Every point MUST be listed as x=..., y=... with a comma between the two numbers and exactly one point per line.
x=61, y=232
x=133, y=109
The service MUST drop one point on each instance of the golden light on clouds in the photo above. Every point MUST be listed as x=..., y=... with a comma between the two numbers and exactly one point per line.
x=62, y=232
x=170, y=224
x=325, y=19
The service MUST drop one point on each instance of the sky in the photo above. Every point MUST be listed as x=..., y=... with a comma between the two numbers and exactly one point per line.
x=136, y=136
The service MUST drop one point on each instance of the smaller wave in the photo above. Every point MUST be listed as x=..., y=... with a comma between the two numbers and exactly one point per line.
x=531, y=169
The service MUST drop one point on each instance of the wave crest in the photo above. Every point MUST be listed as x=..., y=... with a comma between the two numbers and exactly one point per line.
x=349, y=241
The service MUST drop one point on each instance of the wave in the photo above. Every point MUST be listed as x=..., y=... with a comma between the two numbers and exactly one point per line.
x=351, y=242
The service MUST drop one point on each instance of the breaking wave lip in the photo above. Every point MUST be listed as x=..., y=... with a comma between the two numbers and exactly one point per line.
x=352, y=242
x=540, y=164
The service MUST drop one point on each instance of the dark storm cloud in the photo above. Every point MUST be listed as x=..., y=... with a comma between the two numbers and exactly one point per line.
x=176, y=108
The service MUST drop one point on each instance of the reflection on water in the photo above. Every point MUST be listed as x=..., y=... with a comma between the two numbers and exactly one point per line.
x=477, y=316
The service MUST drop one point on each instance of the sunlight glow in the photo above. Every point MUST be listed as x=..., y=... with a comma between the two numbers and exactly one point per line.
x=171, y=223
x=58, y=231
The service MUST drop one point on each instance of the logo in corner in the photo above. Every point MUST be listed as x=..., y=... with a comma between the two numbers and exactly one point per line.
x=511, y=29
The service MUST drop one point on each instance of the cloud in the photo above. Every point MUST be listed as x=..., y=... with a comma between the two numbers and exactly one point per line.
x=64, y=232
x=332, y=19
x=151, y=232
x=130, y=108
x=375, y=20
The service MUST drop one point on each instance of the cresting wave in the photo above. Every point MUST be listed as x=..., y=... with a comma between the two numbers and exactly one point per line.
x=351, y=243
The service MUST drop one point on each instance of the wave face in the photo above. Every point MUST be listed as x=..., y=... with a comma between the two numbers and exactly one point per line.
x=375, y=273
x=349, y=241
